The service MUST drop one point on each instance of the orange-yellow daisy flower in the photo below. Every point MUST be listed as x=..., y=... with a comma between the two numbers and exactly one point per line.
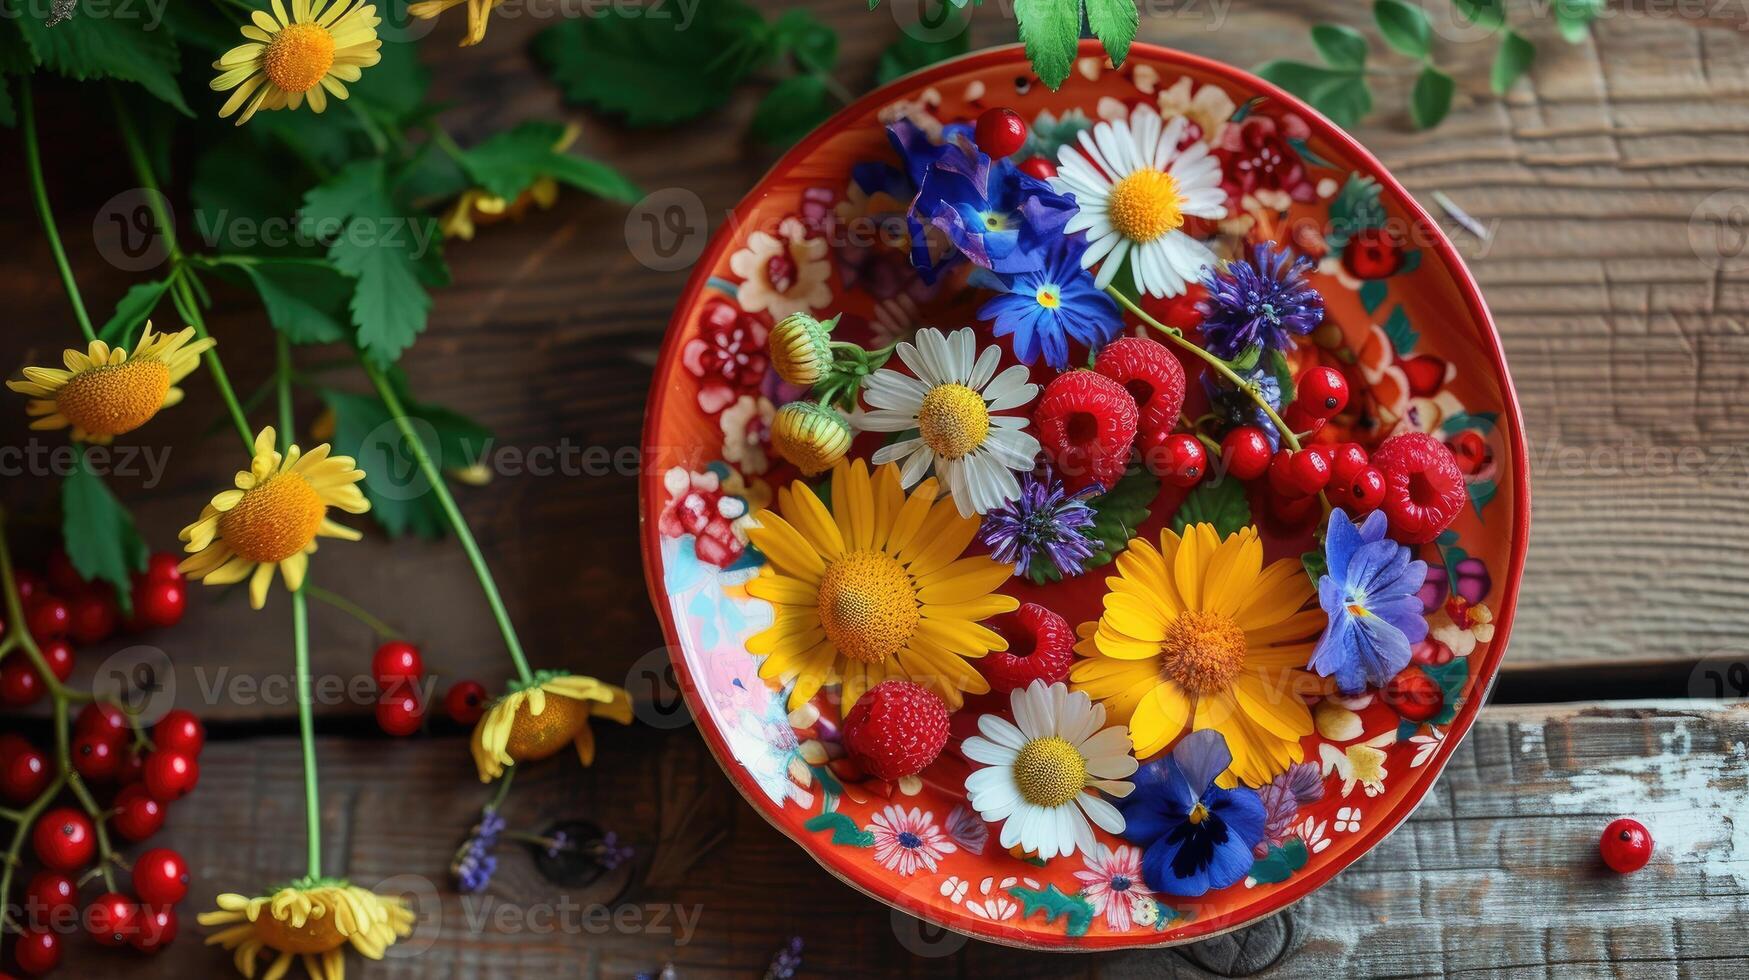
x=314, y=920
x=478, y=10
x=105, y=391
x=308, y=54
x=1198, y=634
x=874, y=588
x=536, y=720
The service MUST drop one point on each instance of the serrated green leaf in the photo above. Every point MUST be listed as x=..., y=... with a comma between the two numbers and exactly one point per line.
x=510, y=162
x=1220, y=503
x=1482, y=13
x=239, y=188
x=1052, y=32
x=1511, y=60
x=305, y=302
x=1404, y=27
x=401, y=500
x=1574, y=18
x=909, y=53
x=98, y=532
x=1117, y=514
x=792, y=108
x=95, y=42
x=132, y=311
x=343, y=194
x=1430, y=99
x=811, y=43
x=1341, y=95
x=388, y=252
x=1339, y=46
x=1114, y=23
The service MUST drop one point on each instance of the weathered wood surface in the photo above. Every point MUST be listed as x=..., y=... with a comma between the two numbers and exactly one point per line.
x=1496, y=874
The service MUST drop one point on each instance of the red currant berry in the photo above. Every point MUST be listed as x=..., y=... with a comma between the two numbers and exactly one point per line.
x=1300, y=420
x=1298, y=474
x=1626, y=845
x=1290, y=515
x=1245, y=452
x=1361, y=493
x=95, y=616
x=1000, y=132
x=132, y=767
x=465, y=702
x=179, y=731
x=101, y=716
x=160, y=877
x=396, y=661
x=1321, y=391
x=49, y=897
x=1038, y=167
x=97, y=756
x=24, y=775
x=137, y=815
x=48, y=618
x=11, y=744
x=399, y=710
x=59, y=654
x=63, y=839
x=1347, y=459
x=157, y=929
x=1176, y=457
x=29, y=585
x=169, y=776
x=62, y=575
x=19, y=683
x=159, y=603
x=112, y=919
x=37, y=951
x=163, y=567
x=1414, y=695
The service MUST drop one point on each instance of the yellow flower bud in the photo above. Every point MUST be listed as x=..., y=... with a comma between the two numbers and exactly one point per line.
x=800, y=349
x=811, y=436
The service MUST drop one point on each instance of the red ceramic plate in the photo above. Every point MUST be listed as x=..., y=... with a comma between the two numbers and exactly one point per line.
x=1404, y=322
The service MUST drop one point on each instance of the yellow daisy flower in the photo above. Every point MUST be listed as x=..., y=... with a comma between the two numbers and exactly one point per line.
x=477, y=12
x=273, y=518
x=875, y=588
x=313, y=921
x=106, y=392
x=475, y=206
x=307, y=55
x=536, y=721
x=1198, y=634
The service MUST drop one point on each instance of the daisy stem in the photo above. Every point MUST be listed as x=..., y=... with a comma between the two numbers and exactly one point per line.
x=300, y=631
x=453, y=514
x=33, y=162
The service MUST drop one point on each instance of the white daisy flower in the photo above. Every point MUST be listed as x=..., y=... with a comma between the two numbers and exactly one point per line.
x=1134, y=188
x=952, y=403
x=1040, y=770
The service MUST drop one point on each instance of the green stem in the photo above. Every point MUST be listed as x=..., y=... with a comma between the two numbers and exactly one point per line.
x=374, y=132
x=453, y=514
x=300, y=633
x=381, y=629
x=39, y=190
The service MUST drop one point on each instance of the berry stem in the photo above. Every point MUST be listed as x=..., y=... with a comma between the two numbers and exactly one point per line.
x=39, y=192
x=453, y=514
x=300, y=632
x=383, y=630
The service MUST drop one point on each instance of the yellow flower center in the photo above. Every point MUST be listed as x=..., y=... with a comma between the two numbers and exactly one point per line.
x=1049, y=772
x=1198, y=813
x=953, y=420
x=318, y=934
x=1145, y=205
x=1049, y=298
x=1202, y=652
x=275, y=520
x=535, y=737
x=114, y=398
x=868, y=605
x=298, y=56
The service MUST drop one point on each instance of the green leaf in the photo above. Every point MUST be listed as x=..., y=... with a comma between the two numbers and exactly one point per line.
x=1356, y=207
x=908, y=53
x=811, y=43
x=644, y=68
x=1341, y=95
x=1404, y=27
x=1430, y=100
x=1574, y=18
x=389, y=252
x=1316, y=565
x=97, y=42
x=1075, y=911
x=400, y=499
x=134, y=309
x=1114, y=23
x=792, y=108
x=396, y=85
x=341, y=195
x=509, y=162
x=1280, y=863
x=8, y=111
x=98, y=532
x=1482, y=13
x=305, y=302
x=1402, y=336
x=1511, y=60
x=844, y=830
x=1052, y=32
x=239, y=189
x=1340, y=47
x=1220, y=502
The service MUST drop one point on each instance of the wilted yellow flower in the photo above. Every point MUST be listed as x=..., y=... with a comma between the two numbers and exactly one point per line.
x=106, y=392
x=538, y=720
x=307, y=55
x=477, y=11
x=477, y=206
x=315, y=921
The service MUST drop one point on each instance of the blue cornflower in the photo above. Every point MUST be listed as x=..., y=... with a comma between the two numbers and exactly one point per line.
x=1237, y=408
x=1044, y=522
x=1045, y=309
x=474, y=864
x=999, y=218
x=1369, y=592
x=1262, y=301
x=1196, y=837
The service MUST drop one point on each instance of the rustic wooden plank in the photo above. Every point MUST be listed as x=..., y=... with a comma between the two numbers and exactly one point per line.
x=1496, y=872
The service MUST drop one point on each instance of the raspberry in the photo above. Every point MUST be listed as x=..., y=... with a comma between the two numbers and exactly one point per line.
x=1424, y=489
x=1041, y=645
x=1151, y=374
x=896, y=729
x=1086, y=423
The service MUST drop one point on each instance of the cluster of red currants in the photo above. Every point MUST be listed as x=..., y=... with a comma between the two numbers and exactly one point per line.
x=399, y=670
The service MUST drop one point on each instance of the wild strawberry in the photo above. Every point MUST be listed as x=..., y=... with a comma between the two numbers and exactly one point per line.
x=1041, y=646
x=1086, y=422
x=896, y=729
x=1152, y=376
x=1424, y=489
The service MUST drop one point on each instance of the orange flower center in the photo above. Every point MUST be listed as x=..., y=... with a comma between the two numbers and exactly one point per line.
x=1202, y=652
x=868, y=605
x=1145, y=205
x=1049, y=772
x=111, y=399
x=275, y=520
x=298, y=56
x=318, y=934
x=535, y=737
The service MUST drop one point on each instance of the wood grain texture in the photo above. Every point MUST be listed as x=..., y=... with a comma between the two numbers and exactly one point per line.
x=1497, y=872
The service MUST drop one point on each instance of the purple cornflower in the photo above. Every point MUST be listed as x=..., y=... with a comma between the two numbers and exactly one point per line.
x=1237, y=408
x=474, y=864
x=1045, y=520
x=1262, y=301
x=787, y=961
x=1369, y=593
x=613, y=852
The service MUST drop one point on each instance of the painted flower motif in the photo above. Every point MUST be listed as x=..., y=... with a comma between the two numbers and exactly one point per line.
x=309, y=55
x=999, y=218
x=105, y=392
x=727, y=357
x=967, y=829
x=1311, y=832
x=1347, y=820
x=1135, y=187
x=1196, y=837
x=990, y=901
x=895, y=318
x=315, y=921
x=908, y=840
x=1369, y=593
x=784, y=273
x=699, y=505
x=1361, y=764
x=952, y=399
x=1045, y=308
x=876, y=587
x=1038, y=772
x=1045, y=523
x=1258, y=159
x=1472, y=623
x=1198, y=634
x=1264, y=301
x=1208, y=107
x=1112, y=881
x=746, y=429
x=1145, y=910
x=534, y=721
x=1300, y=786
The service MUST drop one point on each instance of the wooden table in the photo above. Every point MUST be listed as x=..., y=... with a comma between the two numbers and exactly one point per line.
x=1628, y=349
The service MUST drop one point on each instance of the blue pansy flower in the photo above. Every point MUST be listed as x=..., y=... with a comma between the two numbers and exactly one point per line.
x=1369, y=592
x=917, y=153
x=999, y=218
x=1045, y=309
x=1196, y=837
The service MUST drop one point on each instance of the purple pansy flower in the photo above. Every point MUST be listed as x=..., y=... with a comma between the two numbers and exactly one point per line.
x=1261, y=302
x=1196, y=837
x=1369, y=592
